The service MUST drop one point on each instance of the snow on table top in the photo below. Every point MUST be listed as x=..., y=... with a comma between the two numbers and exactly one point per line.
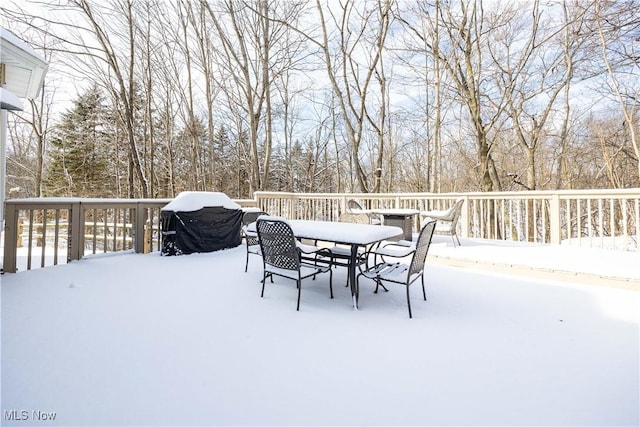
x=343, y=232
x=188, y=201
x=339, y=232
x=399, y=212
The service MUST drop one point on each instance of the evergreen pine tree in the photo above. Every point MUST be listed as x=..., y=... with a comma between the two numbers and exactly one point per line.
x=78, y=165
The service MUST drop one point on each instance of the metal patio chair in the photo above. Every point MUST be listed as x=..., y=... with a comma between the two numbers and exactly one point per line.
x=447, y=221
x=250, y=237
x=355, y=208
x=282, y=253
x=399, y=272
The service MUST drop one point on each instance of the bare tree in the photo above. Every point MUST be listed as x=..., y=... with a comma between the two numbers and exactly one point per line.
x=572, y=26
x=621, y=22
x=250, y=56
x=418, y=49
x=463, y=39
x=204, y=60
x=31, y=128
x=352, y=68
x=242, y=95
x=116, y=49
x=532, y=76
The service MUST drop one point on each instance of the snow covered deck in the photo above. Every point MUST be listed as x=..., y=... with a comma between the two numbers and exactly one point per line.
x=133, y=339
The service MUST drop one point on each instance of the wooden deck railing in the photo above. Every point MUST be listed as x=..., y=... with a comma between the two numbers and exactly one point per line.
x=55, y=230
x=66, y=229
x=608, y=218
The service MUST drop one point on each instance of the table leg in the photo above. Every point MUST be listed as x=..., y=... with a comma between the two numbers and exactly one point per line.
x=352, y=275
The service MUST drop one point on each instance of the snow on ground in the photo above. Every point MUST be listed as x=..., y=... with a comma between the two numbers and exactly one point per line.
x=133, y=339
x=609, y=263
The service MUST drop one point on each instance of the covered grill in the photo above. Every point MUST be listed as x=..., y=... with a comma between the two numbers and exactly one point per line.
x=198, y=221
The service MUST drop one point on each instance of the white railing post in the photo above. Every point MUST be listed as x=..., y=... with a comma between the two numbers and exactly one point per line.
x=292, y=207
x=555, y=231
x=464, y=219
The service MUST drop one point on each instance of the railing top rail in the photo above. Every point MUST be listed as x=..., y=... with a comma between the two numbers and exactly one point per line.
x=562, y=194
x=68, y=200
x=624, y=192
x=42, y=204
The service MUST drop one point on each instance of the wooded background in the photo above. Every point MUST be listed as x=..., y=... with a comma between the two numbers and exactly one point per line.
x=147, y=98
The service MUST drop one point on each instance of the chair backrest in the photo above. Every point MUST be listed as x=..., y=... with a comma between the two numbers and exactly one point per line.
x=277, y=243
x=457, y=211
x=356, y=218
x=449, y=219
x=251, y=216
x=422, y=247
x=353, y=205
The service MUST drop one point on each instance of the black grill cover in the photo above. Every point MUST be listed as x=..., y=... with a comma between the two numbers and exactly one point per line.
x=204, y=230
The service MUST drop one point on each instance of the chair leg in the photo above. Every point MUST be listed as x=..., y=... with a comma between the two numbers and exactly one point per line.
x=264, y=280
x=379, y=284
x=424, y=293
x=331, y=282
x=246, y=264
x=299, y=289
x=409, y=302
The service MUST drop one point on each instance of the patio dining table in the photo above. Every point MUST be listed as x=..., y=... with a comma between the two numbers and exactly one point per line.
x=344, y=233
